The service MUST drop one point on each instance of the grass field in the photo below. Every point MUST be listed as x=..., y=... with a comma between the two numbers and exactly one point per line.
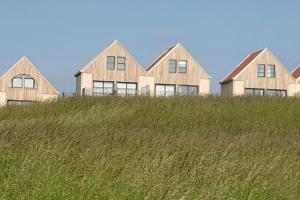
x=151, y=148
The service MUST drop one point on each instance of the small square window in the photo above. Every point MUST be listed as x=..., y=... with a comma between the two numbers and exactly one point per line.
x=121, y=63
x=182, y=66
x=110, y=63
x=172, y=66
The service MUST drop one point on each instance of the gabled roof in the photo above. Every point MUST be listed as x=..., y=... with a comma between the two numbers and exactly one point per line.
x=164, y=54
x=296, y=72
x=107, y=47
x=241, y=66
x=34, y=67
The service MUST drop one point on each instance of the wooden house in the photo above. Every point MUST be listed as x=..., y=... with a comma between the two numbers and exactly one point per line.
x=23, y=83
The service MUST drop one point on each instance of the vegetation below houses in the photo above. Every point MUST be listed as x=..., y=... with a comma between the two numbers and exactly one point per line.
x=151, y=148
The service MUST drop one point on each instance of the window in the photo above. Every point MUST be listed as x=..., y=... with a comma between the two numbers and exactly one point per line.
x=268, y=92
x=23, y=81
x=110, y=63
x=254, y=92
x=17, y=82
x=124, y=89
x=165, y=90
x=17, y=103
x=121, y=63
x=188, y=90
x=103, y=88
x=271, y=71
x=182, y=66
x=278, y=93
x=29, y=83
x=261, y=70
x=172, y=66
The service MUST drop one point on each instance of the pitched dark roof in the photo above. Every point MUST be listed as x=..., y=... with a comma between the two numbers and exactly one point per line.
x=242, y=66
x=296, y=73
x=160, y=57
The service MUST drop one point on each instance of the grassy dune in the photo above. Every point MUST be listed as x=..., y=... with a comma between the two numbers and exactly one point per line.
x=151, y=148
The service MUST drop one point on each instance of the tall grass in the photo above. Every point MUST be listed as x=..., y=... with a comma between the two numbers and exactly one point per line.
x=151, y=148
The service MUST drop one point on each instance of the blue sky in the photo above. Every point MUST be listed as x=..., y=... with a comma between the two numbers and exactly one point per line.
x=64, y=35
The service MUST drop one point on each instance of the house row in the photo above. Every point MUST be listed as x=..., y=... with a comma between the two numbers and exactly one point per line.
x=116, y=71
x=175, y=72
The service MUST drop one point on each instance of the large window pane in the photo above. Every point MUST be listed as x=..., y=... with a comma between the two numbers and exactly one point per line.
x=98, y=84
x=249, y=92
x=131, y=88
x=271, y=93
x=160, y=90
x=126, y=89
x=29, y=83
x=261, y=70
x=17, y=82
x=101, y=88
x=193, y=90
x=110, y=63
x=121, y=88
x=182, y=66
x=170, y=90
x=108, y=87
x=282, y=93
x=183, y=90
x=188, y=90
x=121, y=63
x=172, y=66
x=258, y=92
x=252, y=92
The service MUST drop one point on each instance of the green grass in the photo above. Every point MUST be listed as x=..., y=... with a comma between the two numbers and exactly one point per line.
x=151, y=148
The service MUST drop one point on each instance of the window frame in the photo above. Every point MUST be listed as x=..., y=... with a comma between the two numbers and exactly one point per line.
x=12, y=82
x=253, y=92
x=259, y=74
x=175, y=68
x=23, y=78
x=119, y=63
x=273, y=74
x=165, y=91
x=180, y=67
x=109, y=62
x=34, y=84
x=189, y=90
x=127, y=93
x=102, y=90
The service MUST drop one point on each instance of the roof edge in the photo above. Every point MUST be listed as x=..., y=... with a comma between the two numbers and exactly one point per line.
x=244, y=60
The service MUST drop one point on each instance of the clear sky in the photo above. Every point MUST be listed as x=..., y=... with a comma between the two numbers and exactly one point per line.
x=61, y=36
